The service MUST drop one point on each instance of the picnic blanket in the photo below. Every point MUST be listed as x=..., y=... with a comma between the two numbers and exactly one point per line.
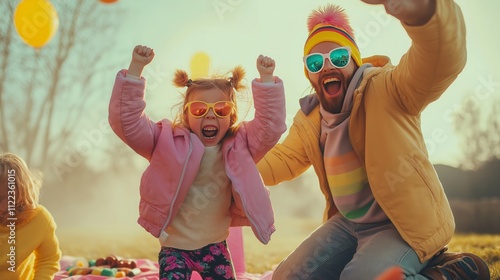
x=145, y=270
x=149, y=270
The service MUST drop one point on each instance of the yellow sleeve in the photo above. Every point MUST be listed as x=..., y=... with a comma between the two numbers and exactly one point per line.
x=435, y=59
x=286, y=160
x=48, y=253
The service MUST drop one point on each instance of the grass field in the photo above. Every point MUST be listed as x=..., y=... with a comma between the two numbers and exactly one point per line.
x=136, y=243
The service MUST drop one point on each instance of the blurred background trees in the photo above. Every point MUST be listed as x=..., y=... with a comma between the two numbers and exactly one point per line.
x=478, y=176
x=479, y=132
x=53, y=107
x=46, y=93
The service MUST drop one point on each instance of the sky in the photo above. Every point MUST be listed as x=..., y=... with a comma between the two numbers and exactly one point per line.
x=235, y=32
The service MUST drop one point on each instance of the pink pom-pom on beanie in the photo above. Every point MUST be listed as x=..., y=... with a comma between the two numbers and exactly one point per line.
x=331, y=24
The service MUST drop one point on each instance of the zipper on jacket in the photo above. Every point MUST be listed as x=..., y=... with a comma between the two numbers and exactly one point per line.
x=261, y=238
x=178, y=186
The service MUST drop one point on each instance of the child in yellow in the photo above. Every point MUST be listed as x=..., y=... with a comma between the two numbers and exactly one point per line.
x=29, y=248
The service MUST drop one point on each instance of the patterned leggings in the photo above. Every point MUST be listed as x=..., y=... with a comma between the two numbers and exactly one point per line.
x=212, y=262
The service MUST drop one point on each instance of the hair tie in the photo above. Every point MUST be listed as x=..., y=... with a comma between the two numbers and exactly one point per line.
x=189, y=83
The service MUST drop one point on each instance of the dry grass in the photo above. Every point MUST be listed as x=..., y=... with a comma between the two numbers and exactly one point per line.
x=136, y=243
x=485, y=246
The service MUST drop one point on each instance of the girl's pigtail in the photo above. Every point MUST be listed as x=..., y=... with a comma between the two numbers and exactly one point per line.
x=181, y=79
x=238, y=74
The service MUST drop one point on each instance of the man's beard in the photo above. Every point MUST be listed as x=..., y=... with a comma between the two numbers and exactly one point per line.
x=329, y=106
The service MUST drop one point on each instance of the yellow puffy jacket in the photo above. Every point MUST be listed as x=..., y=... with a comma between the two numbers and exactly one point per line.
x=385, y=133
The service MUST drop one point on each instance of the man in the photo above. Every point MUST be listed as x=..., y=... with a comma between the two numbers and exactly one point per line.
x=360, y=131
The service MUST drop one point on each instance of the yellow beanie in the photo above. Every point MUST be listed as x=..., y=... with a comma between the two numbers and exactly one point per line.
x=330, y=24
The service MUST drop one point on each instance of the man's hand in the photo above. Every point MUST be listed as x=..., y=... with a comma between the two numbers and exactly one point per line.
x=411, y=12
x=265, y=66
x=141, y=56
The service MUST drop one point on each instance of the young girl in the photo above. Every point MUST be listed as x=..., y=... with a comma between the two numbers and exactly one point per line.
x=29, y=248
x=202, y=176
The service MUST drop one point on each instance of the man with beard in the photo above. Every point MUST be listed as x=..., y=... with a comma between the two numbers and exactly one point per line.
x=360, y=130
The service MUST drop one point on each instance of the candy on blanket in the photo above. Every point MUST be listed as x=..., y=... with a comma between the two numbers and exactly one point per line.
x=111, y=272
x=80, y=262
x=97, y=270
x=114, y=261
x=111, y=266
x=130, y=272
x=70, y=262
x=145, y=269
x=79, y=270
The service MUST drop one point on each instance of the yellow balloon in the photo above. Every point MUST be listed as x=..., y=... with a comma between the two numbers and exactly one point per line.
x=36, y=22
x=200, y=63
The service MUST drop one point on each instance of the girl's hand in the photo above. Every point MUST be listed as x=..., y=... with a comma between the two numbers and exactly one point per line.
x=265, y=66
x=141, y=56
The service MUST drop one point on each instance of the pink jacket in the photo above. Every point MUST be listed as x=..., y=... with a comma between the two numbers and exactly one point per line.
x=174, y=155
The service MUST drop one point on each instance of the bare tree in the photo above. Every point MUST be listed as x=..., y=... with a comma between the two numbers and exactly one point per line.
x=480, y=132
x=6, y=32
x=44, y=93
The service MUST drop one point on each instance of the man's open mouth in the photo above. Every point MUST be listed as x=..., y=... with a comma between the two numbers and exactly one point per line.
x=332, y=86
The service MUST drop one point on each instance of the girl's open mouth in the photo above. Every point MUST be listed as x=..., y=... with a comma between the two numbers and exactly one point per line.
x=209, y=132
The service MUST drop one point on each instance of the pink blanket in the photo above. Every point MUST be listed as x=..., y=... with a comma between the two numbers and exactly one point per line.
x=149, y=271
